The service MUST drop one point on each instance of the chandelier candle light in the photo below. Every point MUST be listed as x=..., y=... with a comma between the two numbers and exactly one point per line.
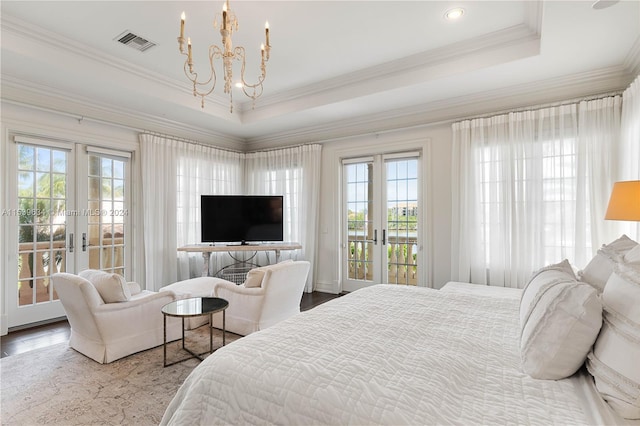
x=229, y=54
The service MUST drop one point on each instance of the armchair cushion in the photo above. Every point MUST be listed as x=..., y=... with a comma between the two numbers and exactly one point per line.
x=134, y=288
x=111, y=287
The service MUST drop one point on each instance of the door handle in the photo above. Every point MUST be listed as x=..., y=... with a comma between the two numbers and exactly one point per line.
x=71, y=247
x=384, y=236
x=375, y=237
x=84, y=241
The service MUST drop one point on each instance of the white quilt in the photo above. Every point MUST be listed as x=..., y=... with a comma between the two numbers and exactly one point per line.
x=381, y=355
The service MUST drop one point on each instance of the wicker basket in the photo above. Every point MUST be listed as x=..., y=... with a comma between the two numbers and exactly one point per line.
x=236, y=275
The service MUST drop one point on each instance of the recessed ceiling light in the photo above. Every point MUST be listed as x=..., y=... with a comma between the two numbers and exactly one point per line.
x=239, y=85
x=453, y=14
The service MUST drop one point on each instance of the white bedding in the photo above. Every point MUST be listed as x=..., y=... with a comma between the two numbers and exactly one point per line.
x=381, y=355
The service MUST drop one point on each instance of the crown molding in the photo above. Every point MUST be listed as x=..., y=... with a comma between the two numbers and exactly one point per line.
x=530, y=30
x=500, y=46
x=632, y=61
x=448, y=110
x=45, y=97
x=534, y=11
x=50, y=40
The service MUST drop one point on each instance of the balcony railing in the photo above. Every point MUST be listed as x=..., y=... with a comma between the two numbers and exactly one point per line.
x=402, y=265
x=50, y=258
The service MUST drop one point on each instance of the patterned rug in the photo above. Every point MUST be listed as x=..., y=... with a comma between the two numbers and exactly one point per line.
x=57, y=385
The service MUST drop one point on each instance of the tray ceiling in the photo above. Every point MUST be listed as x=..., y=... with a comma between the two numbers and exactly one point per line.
x=336, y=67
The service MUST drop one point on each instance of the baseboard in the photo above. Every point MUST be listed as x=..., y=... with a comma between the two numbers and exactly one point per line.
x=325, y=287
x=4, y=325
x=37, y=324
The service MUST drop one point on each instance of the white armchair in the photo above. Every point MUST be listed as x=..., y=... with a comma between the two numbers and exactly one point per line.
x=269, y=295
x=106, y=332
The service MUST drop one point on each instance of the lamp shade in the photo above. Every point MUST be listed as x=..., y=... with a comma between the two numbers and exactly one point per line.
x=624, y=203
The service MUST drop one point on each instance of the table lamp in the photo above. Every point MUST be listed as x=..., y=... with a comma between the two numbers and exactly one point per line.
x=624, y=203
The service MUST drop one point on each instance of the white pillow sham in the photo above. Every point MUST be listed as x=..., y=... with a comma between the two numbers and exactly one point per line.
x=600, y=268
x=560, y=319
x=111, y=287
x=614, y=361
x=632, y=257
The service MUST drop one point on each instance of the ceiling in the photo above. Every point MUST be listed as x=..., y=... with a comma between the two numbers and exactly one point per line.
x=337, y=68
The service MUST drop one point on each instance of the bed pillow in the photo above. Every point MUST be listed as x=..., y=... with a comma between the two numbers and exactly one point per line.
x=560, y=320
x=632, y=257
x=600, y=268
x=615, y=359
x=111, y=287
x=542, y=279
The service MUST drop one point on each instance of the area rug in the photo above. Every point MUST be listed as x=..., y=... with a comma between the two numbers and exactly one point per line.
x=57, y=385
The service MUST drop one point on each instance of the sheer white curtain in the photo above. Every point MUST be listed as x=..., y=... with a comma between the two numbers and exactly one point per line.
x=598, y=163
x=523, y=188
x=174, y=175
x=630, y=147
x=294, y=173
x=202, y=170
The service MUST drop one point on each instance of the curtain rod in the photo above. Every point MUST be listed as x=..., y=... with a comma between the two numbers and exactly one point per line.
x=542, y=106
x=176, y=138
x=284, y=147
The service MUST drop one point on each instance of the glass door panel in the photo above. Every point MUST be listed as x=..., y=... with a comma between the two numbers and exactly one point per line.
x=105, y=239
x=39, y=184
x=402, y=221
x=42, y=229
x=360, y=227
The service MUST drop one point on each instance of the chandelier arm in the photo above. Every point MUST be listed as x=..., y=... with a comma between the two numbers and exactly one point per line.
x=257, y=88
x=214, y=52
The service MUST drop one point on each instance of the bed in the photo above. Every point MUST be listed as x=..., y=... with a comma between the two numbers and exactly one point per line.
x=390, y=355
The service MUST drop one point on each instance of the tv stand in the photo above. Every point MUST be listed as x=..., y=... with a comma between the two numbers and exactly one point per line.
x=206, y=250
x=242, y=243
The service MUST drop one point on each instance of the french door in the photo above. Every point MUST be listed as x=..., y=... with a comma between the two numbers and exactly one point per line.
x=68, y=212
x=381, y=220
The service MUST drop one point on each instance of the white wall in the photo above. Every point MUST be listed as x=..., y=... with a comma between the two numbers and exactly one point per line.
x=435, y=144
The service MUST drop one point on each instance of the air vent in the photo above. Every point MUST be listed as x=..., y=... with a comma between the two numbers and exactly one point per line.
x=135, y=41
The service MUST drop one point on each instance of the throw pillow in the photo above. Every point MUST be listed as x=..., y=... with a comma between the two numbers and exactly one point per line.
x=613, y=362
x=111, y=287
x=560, y=320
x=540, y=280
x=254, y=277
x=600, y=268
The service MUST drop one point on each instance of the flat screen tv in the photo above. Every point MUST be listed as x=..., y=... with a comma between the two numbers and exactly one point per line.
x=241, y=218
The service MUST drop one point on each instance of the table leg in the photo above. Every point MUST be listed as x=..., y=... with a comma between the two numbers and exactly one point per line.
x=164, y=321
x=224, y=328
x=211, y=333
x=205, y=269
x=182, y=332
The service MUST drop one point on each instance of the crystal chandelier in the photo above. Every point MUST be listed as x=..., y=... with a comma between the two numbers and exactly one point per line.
x=229, y=54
